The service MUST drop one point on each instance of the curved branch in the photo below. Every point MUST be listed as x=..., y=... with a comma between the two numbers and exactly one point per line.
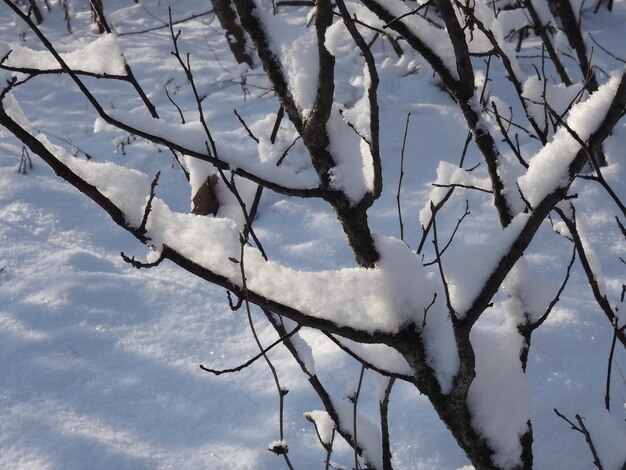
x=213, y=159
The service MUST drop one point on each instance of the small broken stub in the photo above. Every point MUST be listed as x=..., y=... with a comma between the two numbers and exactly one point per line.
x=205, y=200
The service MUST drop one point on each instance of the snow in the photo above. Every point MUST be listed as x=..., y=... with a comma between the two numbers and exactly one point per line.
x=479, y=260
x=548, y=169
x=323, y=423
x=297, y=54
x=100, y=361
x=434, y=39
x=607, y=437
x=530, y=293
x=367, y=433
x=499, y=397
x=101, y=56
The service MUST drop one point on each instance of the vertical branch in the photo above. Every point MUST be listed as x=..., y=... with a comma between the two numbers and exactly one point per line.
x=601, y=299
x=374, y=143
x=571, y=27
x=355, y=402
x=440, y=266
x=384, y=425
x=607, y=394
x=281, y=392
x=235, y=36
x=406, y=129
x=542, y=31
x=342, y=428
x=465, y=84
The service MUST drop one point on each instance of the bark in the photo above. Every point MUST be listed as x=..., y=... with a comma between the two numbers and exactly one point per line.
x=235, y=35
x=97, y=15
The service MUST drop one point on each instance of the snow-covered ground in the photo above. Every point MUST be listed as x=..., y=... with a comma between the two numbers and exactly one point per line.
x=99, y=362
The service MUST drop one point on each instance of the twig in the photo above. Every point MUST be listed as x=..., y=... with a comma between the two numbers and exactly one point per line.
x=180, y=112
x=459, y=185
x=384, y=425
x=243, y=123
x=605, y=50
x=440, y=266
x=254, y=359
x=406, y=129
x=607, y=394
x=432, y=302
x=426, y=230
x=138, y=264
x=281, y=392
x=355, y=401
x=192, y=17
x=458, y=224
x=232, y=187
x=148, y=208
x=372, y=97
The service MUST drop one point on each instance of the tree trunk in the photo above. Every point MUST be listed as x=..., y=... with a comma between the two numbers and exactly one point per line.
x=97, y=14
x=36, y=11
x=234, y=33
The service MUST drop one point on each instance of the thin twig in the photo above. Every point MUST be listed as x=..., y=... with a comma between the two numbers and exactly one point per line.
x=458, y=224
x=384, y=425
x=253, y=359
x=406, y=129
x=355, y=401
x=243, y=123
x=281, y=392
x=148, y=208
x=607, y=394
x=167, y=25
x=439, y=265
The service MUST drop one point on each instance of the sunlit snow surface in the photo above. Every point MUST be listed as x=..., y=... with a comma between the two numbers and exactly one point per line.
x=99, y=362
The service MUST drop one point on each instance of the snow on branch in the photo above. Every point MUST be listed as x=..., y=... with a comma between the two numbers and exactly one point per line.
x=549, y=169
x=101, y=58
x=368, y=301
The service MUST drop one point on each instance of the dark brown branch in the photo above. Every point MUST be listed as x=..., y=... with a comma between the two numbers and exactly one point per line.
x=601, y=299
x=462, y=91
x=317, y=385
x=440, y=266
x=581, y=428
x=526, y=330
x=365, y=362
x=437, y=208
x=355, y=401
x=432, y=302
x=406, y=129
x=465, y=186
x=373, y=141
x=383, y=406
x=138, y=264
x=148, y=208
x=245, y=126
x=619, y=59
x=282, y=450
x=235, y=36
x=542, y=31
x=456, y=228
x=68, y=175
x=505, y=134
x=607, y=394
x=571, y=28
